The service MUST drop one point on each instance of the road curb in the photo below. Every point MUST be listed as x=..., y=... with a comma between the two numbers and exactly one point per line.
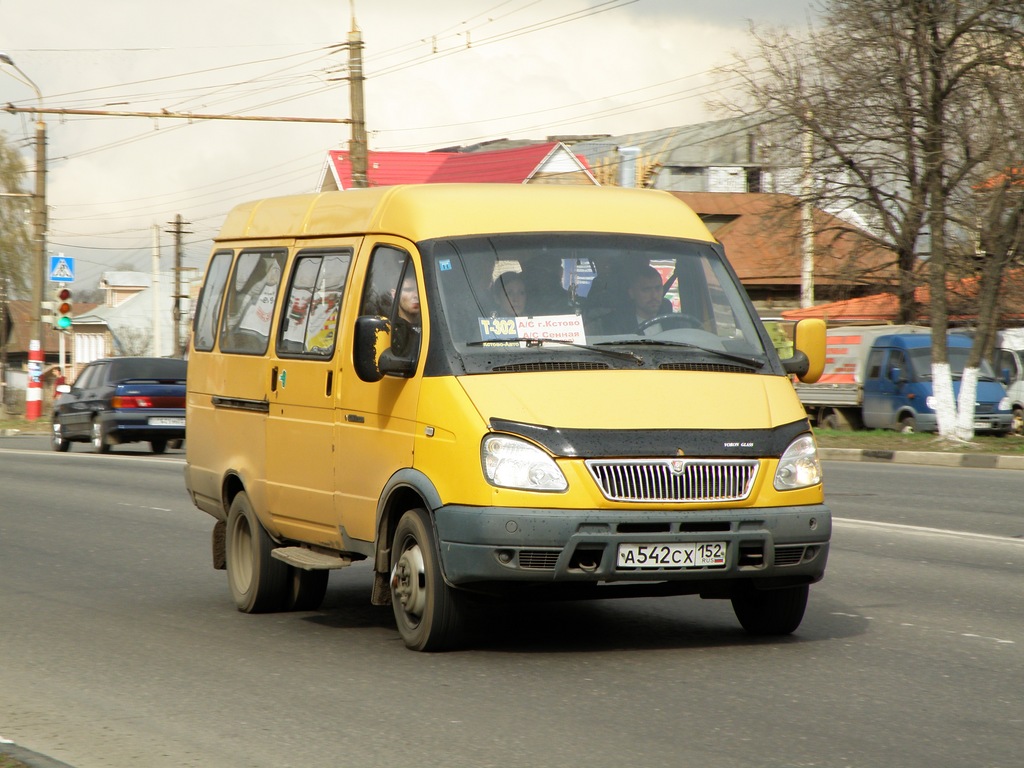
x=27, y=757
x=928, y=458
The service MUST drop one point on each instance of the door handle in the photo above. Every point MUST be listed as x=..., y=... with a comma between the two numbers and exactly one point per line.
x=273, y=379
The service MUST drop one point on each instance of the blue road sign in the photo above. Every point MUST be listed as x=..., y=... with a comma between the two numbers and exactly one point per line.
x=62, y=269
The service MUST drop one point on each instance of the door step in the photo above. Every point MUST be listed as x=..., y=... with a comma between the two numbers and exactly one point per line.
x=308, y=560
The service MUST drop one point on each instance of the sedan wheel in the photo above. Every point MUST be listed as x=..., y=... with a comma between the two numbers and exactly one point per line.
x=100, y=444
x=57, y=441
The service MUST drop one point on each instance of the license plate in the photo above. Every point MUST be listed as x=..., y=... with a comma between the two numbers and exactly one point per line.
x=707, y=554
x=167, y=421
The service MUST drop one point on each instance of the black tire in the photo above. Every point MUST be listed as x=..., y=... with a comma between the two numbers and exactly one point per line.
x=158, y=446
x=258, y=582
x=306, y=589
x=428, y=612
x=100, y=443
x=57, y=441
x=908, y=425
x=770, y=611
x=1018, y=421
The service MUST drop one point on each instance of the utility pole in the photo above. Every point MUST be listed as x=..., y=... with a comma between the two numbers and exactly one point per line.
x=157, y=340
x=178, y=233
x=357, y=146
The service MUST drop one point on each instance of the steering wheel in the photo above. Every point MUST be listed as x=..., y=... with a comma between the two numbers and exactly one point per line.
x=670, y=322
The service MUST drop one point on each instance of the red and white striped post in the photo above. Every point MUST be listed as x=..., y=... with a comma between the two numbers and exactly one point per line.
x=34, y=393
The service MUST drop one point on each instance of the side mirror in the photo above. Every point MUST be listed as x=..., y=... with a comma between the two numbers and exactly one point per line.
x=372, y=353
x=372, y=337
x=63, y=388
x=808, y=360
x=895, y=375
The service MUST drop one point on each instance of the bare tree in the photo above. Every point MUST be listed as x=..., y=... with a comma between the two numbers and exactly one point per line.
x=14, y=218
x=907, y=102
x=132, y=341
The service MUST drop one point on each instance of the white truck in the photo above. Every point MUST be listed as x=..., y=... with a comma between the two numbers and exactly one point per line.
x=1009, y=365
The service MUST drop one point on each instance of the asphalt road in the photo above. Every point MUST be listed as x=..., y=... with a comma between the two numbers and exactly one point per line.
x=121, y=646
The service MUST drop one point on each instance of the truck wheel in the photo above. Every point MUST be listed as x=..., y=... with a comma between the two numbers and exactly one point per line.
x=100, y=443
x=1018, y=421
x=158, y=446
x=57, y=441
x=908, y=425
x=770, y=611
x=306, y=589
x=258, y=581
x=831, y=421
x=428, y=612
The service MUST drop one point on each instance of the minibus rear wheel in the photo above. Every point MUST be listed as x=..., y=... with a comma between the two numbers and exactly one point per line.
x=770, y=611
x=258, y=582
x=428, y=612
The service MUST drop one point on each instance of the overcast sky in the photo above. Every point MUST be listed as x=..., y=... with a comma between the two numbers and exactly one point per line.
x=439, y=73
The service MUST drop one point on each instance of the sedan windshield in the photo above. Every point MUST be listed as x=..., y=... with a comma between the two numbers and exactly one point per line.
x=516, y=294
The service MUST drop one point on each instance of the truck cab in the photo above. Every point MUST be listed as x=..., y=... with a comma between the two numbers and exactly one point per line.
x=1010, y=370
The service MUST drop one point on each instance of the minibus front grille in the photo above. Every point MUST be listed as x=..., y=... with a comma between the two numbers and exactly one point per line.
x=550, y=366
x=674, y=480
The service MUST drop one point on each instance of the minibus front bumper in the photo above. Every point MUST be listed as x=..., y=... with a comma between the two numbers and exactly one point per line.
x=493, y=545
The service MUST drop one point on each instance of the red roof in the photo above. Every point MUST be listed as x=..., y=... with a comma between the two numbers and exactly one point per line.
x=962, y=297
x=515, y=166
x=761, y=235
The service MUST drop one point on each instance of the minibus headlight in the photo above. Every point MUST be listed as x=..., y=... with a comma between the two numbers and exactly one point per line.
x=512, y=463
x=799, y=466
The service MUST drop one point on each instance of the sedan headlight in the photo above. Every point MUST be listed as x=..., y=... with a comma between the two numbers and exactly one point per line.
x=799, y=466
x=512, y=463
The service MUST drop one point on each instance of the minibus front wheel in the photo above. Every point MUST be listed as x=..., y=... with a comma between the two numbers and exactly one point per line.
x=428, y=612
x=770, y=611
x=259, y=582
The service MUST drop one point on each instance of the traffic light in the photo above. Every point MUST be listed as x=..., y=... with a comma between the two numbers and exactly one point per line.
x=63, y=313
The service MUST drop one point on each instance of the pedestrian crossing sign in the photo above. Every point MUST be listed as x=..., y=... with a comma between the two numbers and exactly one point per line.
x=62, y=269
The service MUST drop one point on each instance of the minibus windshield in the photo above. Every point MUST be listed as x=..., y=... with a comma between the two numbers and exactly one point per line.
x=539, y=293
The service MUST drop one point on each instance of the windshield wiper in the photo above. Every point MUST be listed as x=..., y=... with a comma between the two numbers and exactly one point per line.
x=753, y=361
x=537, y=342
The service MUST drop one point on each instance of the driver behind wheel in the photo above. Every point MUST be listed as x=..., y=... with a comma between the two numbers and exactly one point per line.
x=644, y=300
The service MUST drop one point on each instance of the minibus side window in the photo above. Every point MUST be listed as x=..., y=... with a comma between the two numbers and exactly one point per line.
x=204, y=328
x=251, y=297
x=392, y=291
x=309, y=322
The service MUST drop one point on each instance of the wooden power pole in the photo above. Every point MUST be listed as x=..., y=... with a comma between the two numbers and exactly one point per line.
x=357, y=145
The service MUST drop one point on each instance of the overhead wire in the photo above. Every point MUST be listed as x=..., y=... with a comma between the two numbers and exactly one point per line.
x=230, y=91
